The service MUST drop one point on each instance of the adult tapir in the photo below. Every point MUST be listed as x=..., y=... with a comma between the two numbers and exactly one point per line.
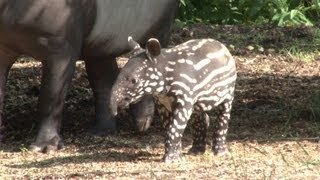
x=59, y=32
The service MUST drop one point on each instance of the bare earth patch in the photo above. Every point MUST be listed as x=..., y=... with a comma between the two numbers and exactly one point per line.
x=274, y=132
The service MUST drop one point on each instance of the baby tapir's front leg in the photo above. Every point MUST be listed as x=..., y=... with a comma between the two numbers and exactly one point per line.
x=182, y=111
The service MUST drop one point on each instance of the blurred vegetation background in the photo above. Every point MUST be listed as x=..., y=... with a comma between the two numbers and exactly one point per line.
x=257, y=12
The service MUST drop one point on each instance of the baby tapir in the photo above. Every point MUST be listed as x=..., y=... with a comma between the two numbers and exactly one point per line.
x=186, y=80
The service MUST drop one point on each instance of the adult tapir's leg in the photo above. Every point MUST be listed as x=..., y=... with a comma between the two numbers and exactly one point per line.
x=6, y=62
x=102, y=73
x=143, y=113
x=58, y=68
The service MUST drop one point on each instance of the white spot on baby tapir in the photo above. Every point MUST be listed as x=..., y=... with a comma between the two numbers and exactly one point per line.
x=153, y=84
x=169, y=69
x=159, y=73
x=150, y=69
x=168, y=50
x=180, y=53
x=177, y=134
x=181, y=61
x=169, y=78
x=153, y=76
x=146, y=83
x=159, y=89
x=148, y=89
x=172, y=62
x=190, y=54
x=161, y=83
x=189, y=62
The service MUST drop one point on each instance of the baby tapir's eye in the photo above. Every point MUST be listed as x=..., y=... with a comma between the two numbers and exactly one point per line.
x=134, y=81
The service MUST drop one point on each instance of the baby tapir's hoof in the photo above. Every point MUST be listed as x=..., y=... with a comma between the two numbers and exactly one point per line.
x=173, y=158
x=221, y=152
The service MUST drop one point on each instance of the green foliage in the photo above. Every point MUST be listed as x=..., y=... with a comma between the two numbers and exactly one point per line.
x=280, y=12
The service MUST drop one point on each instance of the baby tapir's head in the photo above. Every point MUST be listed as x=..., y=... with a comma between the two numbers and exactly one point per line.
x=133, y=80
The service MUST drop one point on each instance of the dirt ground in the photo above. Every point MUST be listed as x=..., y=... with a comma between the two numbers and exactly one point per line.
x=274, y=130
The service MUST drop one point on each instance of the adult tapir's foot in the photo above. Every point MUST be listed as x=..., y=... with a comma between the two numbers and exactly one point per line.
x=103, y=127
x=47, y=145
x=197, y=150
x=143, y=113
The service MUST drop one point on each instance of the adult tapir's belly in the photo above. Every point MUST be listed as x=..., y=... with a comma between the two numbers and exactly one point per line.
x=26, y=26
x=116, y=20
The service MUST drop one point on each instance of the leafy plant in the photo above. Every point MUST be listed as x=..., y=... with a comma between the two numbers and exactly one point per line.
x=280, y=12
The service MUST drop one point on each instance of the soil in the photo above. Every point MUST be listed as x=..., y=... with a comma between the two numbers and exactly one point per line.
x=274, y=130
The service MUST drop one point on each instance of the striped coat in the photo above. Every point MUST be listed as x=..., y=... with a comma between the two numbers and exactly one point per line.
x=186, y=81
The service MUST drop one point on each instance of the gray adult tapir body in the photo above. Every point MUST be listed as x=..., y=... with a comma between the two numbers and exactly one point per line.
x=59, y=32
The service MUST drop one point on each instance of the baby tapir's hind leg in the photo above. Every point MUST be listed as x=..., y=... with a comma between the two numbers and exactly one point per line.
x=200, y=124
x=221, y=128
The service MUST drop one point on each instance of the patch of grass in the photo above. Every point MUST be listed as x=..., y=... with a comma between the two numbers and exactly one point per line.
x=294, y=52
x=314, y=106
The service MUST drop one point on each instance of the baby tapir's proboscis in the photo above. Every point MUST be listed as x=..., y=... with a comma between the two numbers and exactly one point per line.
x=186, y=82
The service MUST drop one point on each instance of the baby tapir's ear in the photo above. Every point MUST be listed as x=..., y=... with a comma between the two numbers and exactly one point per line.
x=133, y=44
x=153, y=47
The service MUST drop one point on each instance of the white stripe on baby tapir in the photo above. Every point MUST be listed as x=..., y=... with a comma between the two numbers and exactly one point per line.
x=199, y=45
x=223, y=92
x=178, y=126
x=181, y=84
x=228, y=96
x=201, y=64
x=209, y=98
x=214, y=73
x=191, y=80
x=217, y=84
x=181, y=101
x=217, y=54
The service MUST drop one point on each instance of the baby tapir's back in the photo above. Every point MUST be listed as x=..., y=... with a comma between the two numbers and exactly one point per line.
x=198, y=64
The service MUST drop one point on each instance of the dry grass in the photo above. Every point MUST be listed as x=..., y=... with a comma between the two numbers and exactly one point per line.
x=131, y=158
